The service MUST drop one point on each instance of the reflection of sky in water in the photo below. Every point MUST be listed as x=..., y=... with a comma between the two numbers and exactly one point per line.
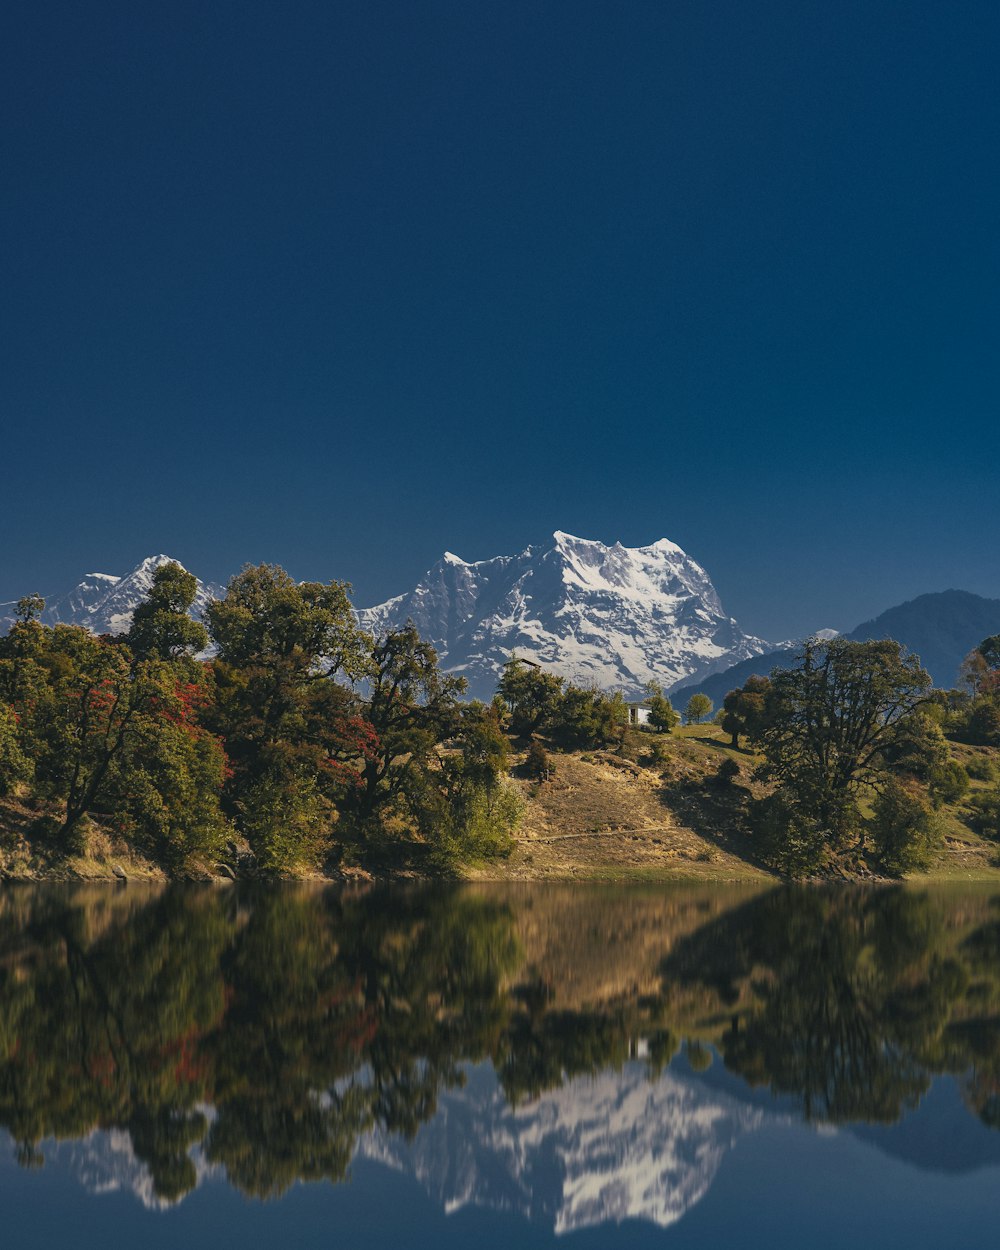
x=616, y=1160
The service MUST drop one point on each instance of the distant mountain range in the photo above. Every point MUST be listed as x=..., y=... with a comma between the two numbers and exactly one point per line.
x=611, y=616
x=940, y=628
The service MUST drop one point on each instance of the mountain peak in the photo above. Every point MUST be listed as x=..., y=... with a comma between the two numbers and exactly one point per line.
x=615, y=617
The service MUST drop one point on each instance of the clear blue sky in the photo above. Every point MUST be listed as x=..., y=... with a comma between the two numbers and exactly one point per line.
x=341, y=285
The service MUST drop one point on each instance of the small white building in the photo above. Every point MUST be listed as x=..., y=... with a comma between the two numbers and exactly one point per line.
x=638, y=713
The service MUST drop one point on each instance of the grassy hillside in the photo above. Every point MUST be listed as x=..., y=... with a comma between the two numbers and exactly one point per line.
x=657, y=810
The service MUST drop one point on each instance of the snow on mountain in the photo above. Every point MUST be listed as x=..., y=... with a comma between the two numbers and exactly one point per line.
x=104, y=602
x=598, y=1150
x=611, y=616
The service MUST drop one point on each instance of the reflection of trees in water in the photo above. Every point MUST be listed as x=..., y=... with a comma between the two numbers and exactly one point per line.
x=976, y=1038
x=302, y=1017
x=842, y=997
x=305, y=1018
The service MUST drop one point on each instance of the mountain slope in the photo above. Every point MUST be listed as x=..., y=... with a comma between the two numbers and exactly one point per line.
x=104, y=602
x=613, y=616
x=940, y=628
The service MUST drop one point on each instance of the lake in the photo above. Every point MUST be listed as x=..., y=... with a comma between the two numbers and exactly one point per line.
x=411, y=1066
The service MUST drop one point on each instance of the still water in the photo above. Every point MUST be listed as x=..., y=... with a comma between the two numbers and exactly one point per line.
x=510, y=1065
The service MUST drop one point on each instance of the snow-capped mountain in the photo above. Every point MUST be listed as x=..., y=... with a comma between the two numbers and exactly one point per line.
x=598, y=1150
x=611, y=616
x=104, y=602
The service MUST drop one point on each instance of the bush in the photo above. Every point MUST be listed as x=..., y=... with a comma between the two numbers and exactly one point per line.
x=537, y=764
x=904, y=831
x=986, y=812
x=948, y=782
x=981, y=768
x=790, y=841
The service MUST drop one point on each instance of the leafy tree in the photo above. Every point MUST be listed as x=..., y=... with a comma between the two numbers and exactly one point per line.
x=584, y=718
x=294, y=734
x=531, y=694
x=30, y=608
x=699, y=708
x=161, y=627
x=413, y=709
x=904, y=831
x=482, y=808
x=989, y=649
x=662, y=714
x=835, y=721
x=15, y=766
x=744, y=710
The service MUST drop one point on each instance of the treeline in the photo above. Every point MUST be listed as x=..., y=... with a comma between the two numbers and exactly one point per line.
x=301, y=737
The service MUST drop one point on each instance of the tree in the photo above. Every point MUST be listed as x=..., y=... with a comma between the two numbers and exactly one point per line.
x=585, y=718
x=412, y=708
x=531, y=694
x=30, y=608
x=114, y=737
x=662, y=714
x=699, y=706
x=834, y=722
x=161, y=626
x=292, y=729
x=904, y=831
x=536, y=763
x=989, y=649
x=744, y=710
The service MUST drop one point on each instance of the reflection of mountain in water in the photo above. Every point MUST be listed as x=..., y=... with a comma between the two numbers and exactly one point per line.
x=598, y=1150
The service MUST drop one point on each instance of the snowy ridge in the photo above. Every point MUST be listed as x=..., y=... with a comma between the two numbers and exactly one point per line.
x=104, y=602
x=611, y=616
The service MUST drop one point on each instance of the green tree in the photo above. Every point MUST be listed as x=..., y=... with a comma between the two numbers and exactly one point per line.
x=585, y=718
x=904, y=831
x=292, y=729
x=161, y=627
x=15, y=766
x=835, y=722
x=413, y=709
x=744, y=710
x=662, y=714
x=30, y=608
x=531, y=694
x=699, y=708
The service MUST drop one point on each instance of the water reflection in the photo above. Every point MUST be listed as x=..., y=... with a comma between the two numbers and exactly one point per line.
x=509, y=1047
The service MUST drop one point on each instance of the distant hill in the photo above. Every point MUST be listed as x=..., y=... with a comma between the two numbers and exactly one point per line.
x=941, y=628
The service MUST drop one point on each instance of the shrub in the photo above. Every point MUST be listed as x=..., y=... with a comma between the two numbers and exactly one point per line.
x=537, y=763
x=986, y=812
x=904, y=831
x=790, y=841
x=948, y=782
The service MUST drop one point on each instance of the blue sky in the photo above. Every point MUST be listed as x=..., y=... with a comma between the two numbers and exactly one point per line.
x=344, y=285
